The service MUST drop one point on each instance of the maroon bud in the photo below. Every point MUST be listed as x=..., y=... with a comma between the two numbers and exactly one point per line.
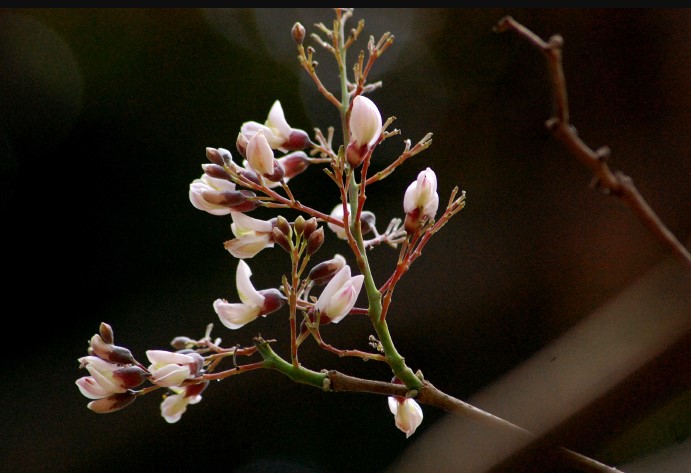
x=241, y=145
x=412, y=221
x=249, y=175
x=310, y=226
x=297, y=140
x=195, y=389
x=356, y=154
x=130, y=376
x=294, y=163
x=315, y=241
x=112, y=403
x=214, y=170
x=367, y=221
x=213, y=155
x=279, y=237
x=106, y=333
x=277, y=174
x=283, y=225
x=197, y=365
x=273, y=300
x=324, y=271
x=110, y=352
x=248, y=204
x=298, y=33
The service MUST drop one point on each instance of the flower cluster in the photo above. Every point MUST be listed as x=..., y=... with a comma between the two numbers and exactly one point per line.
x=269, y=156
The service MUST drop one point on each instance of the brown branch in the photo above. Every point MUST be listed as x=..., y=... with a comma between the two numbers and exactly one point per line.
x=431, y=396
x=615, y=183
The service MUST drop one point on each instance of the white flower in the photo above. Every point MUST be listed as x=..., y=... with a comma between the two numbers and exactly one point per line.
x=252, y=236
x=365, y=122
x=407, y=414
x=254, y=303
x=175, y=405
x=337, y=213
x=339, y=295
x=206, y=194
x=171, y=369
x=278, y=133
x=422, y=194
x=107, y=378
x=260, y=156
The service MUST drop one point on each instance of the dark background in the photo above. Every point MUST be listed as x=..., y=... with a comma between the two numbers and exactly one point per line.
x=105, y=115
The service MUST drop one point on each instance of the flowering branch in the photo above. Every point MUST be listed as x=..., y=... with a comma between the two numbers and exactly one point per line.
x=613, y=183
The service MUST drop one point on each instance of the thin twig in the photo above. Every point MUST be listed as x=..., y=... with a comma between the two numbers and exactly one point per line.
x=615, y=183
x=431, y=396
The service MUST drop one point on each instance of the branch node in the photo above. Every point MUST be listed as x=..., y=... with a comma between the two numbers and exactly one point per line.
x=603, y=154
x=553, y=123
x=556, y=41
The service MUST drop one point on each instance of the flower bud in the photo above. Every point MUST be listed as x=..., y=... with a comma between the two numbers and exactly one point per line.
x=181, y=342
x=106, y=332
x=365, y=128
x=273, y=300
x=368, y=221
x=241, y=144
x=196, y=389
x=297, y=140
x=215, y=171
x=112, y=403
x=315, y=241
x=130, y=376
x=215, y=156
x=421, y=200
x=310, y=226
x=298, y=33
x=299, y=224
x=324, y=271
x=283, y=225
x=110, y=352
x=294, y=163
x=279, y=237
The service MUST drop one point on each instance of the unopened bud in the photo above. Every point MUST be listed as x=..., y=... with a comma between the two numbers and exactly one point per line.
x=112, y=403
x=110, y=352
x=368, y=221
x=273, y=300
x=181, y=342
x=297, y=140
x=215, y=170
x=298, y=33
x=324, y=271
x=294, y=163
x=355, y=154
x=310, y=226
x=214, y=155
x=299, y=224
x=412, y=221
x=315, y=241
x=279, y=237
x=283, y=225
x=106, y=332
x=241, y=145
x=277, y=174
x=130, y=376
x=195, y=389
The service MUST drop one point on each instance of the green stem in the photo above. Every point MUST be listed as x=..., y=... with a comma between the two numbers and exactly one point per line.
x=296, y=373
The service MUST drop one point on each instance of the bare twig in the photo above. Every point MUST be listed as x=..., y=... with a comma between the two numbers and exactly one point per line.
x=615, y=183
x=432, y=396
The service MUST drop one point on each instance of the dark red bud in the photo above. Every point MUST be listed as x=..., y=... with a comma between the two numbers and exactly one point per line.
x=279, y=237
x=112, y=403
x=368, y=221
x=273, y=300
x=325, y=271
x=315, y=241
x=198, y=363
x=241, y=145
x=249, y=175
x=213, y=155
x=195, y=389
x=214, y=170
x=310, y=226
x=277, y=174
x=298, y=140
x=412, y=221
x=106, y=333
x=130, y=376
x=283, y=225
x=248, y=204
x=298, y=33
x=356, y=154
x=110, y=352
x=294, y=163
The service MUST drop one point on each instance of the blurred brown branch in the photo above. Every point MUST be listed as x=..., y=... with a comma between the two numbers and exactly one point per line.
x=614, y=183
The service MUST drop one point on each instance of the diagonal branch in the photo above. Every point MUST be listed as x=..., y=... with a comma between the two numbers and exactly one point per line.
x=614, y=183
